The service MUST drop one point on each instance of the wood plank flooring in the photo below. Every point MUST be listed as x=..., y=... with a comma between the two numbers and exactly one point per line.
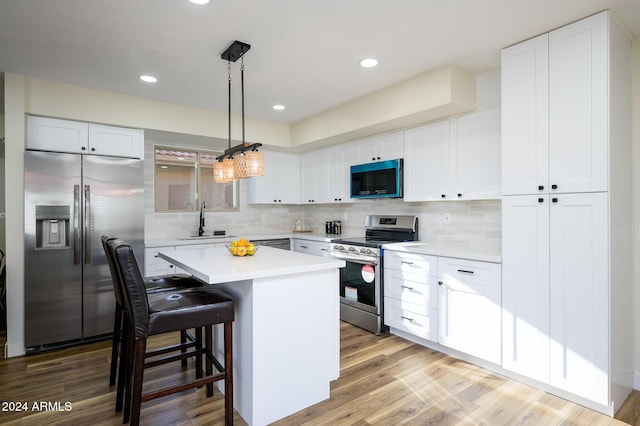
x=385, y=380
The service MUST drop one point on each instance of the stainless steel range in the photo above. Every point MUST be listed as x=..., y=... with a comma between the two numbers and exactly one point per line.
x=361, y=280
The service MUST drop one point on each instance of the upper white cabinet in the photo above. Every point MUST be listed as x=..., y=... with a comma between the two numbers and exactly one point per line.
x=378, y=148
x=325, y=175
x=456, y=159
x=280, y=182
x=51, y=134
x=567, y=211
x=335, y=184
x=116, y=141
x=525, y=117
x=427, y=168
x=555, y=103
x=476, y=155
x=311, y=173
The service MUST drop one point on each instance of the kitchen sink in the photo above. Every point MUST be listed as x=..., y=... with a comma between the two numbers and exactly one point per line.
x=207, y=237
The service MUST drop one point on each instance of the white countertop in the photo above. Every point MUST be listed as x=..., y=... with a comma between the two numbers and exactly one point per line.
x=164, y=242
x=456, y=250
x=185, y=241
x=217, y=265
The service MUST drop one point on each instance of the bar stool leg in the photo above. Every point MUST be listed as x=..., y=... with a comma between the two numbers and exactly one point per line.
x=228, y=373
x=116, y=343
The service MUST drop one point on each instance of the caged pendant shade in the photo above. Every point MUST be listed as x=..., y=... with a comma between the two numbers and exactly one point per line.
x=244, y=160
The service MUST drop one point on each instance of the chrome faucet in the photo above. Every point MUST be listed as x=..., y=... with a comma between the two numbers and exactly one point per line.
x=201, y=227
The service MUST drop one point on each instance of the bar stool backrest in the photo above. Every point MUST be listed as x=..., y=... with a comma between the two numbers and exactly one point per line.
x=133, y=286
x=115, y=276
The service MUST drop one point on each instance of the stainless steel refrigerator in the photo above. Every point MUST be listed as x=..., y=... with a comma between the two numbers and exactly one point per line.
x=71, y=200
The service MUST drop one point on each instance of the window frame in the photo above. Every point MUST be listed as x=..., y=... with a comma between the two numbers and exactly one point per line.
x=198, y=187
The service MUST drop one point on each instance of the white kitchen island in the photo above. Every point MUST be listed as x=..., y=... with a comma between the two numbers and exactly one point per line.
x=286, y=334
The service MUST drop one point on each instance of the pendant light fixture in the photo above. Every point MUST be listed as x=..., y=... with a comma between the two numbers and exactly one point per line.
x=244, y=160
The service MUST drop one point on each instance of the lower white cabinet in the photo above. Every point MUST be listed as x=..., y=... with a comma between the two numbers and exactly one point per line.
x=556, y=291
x=410, y=293
x=469, y=311
x=154, y=265
x=453, y=302
x=313, y=247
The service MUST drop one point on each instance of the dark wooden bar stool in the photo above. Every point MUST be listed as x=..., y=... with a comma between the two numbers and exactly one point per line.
x=158, y=313
x=155, y=284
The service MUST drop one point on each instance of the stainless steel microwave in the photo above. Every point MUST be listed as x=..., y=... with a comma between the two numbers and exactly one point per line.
x=377, y=180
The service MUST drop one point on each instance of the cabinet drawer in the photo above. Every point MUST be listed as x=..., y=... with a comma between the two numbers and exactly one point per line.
x=458, y=271
x=304, y=246
x=411, y=262
x=415, y=319
x=410, y=287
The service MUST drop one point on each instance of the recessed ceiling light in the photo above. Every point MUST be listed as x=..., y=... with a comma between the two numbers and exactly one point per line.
x=148, y=79
x=278, y=107
x=199, y=1
x=368, y=63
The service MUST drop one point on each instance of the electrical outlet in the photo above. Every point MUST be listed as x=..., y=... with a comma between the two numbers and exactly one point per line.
x=446, y=218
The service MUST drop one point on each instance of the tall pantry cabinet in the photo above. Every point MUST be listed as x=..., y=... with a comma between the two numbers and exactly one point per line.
x=567, y=212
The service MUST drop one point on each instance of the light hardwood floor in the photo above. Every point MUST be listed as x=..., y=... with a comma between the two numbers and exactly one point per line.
x=384, y=380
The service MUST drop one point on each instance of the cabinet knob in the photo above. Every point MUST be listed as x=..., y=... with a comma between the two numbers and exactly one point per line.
x=443, y=196
x=554, y=200
x=541, y=200
x=540, y=188
x=440, y=283
x=554, y=186
x=83, y=148
x=93, y=149
x=373, y=158
x=459, y=194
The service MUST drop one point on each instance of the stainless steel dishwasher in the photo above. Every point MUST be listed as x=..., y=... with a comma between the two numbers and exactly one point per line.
x=280, y=243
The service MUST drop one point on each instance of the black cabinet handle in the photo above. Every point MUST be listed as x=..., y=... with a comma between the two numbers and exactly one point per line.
x=443, y=196
x=465, y=271
x=373, y=158
x=541, y=200
x=554, y=200
x=540, y=188
x=459, y=194
x=554, y=186
x=440, y=283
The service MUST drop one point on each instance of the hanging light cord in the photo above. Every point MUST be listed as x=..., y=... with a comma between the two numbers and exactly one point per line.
x=229, y=71
x=242, y=89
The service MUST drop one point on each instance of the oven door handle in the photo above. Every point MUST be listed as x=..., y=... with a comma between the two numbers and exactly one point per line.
x=365, y=260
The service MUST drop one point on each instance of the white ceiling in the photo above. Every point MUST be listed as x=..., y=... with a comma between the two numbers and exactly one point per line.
x=304, y=53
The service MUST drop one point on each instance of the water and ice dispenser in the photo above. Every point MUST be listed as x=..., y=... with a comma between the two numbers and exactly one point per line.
x=52, y=226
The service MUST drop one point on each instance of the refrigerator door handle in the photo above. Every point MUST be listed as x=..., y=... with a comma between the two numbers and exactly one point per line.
x=76, y=224
x=87, y=224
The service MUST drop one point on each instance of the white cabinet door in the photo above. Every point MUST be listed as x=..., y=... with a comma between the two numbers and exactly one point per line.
x=116, y=141
x=310, y=169
x=391, y=146
x=337, y=176
x=379, y=148
x=280, y=182
x=427, y=174
x=51, y=134
x=525, y=285
x=469, y=307
x=525, y=117
x=579, y=293
x=476, y=155
x=578, y=106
